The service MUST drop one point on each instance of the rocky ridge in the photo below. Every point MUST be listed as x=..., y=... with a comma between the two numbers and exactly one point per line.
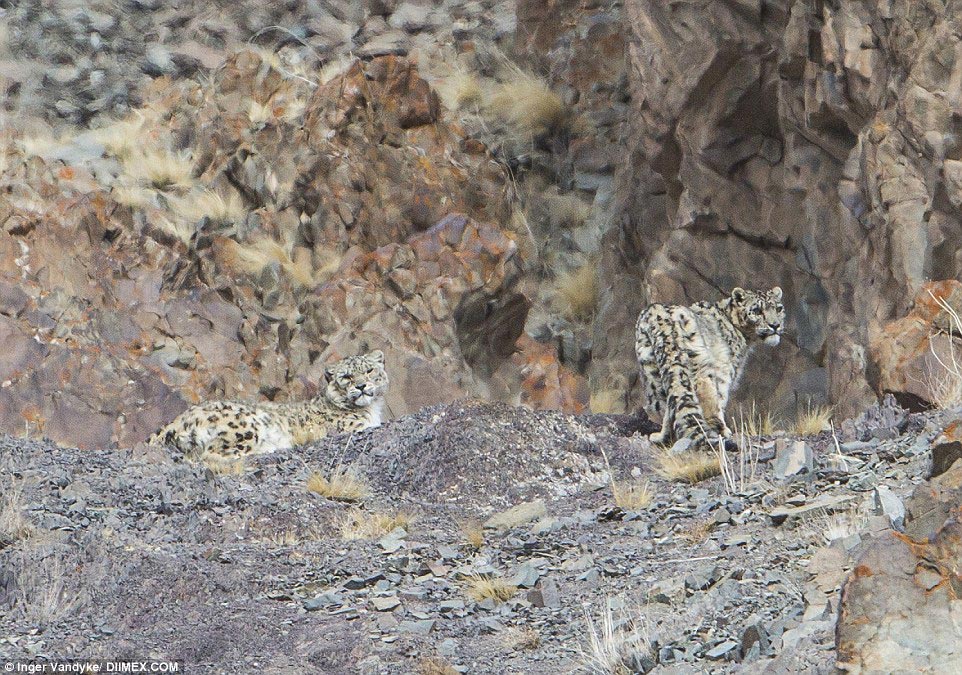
x=149, y=555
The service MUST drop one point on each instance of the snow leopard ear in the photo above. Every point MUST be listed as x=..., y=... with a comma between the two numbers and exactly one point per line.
x=738, y=294
x=776, y=293
x=378, y=356
x=329, y=374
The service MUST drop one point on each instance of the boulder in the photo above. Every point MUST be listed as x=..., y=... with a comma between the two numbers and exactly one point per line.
x=900, y=609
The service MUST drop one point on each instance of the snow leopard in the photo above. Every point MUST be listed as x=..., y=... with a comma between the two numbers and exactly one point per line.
x=352, y=400
x=693, y=356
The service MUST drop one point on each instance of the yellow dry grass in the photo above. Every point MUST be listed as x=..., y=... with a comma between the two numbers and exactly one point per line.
x=223, y=466
x=298, y=265
x=521, y=638
x=159, y=168
x=340, y=484
x=473, y=532
x=527, y=105
x=360, y=524
x=14, y=526
x=212, y=205
x=134, y=196
x=687, y=467
x=697, y=532
x=259, y=114
x=121, y=138
x=461, y=90
x=577, y=292
x=632, y=495
x=479, y=588
x=435, y=666
x=753, y=422
x=567, y=211
x=814, y=419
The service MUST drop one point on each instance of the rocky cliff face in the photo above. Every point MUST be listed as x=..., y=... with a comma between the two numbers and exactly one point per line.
x=809, y=144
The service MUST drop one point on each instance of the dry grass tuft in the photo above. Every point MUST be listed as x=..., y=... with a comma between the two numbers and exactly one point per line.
x=813, y=420
x=360, y=524
x=688, y=467
x=479, y=588
x=461, y=90
x=615, y=650
x=607, y=401
x=697, y=532
x=222, y=466
x=567, y=211
x=177, y=228
x=527, y=105
x=632, y=496
x=259, y=114
x=341, y=484
x=473, y=532
x=211, y=205
x=298, y=264
x=14, y=526
x=435, y=665
x=946, y=387
x=753, y=422
x=44, y=598
x=159, y=168
x=829, y=527
x=521, y=638
x=577, y=292
x=133, y=196
x=121, y=139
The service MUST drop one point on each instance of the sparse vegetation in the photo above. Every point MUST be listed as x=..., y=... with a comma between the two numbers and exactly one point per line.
x=615, y=649
x=740, y=473
x=829, y=527
x=688, y=467
x=753, y=422
x=632, y=496
x=14, y=526
x=697, y=532
x=527, y=105
x=946, y=387
x=134, y=196
x=479, y=588
x=566, y=211
x=120, y=139
x=814, y=419
x=298, y=265
x=341, y=484
x=522, y=638
x=159, y=168
x=577, y=292
x=435, y=666
x=461, y=90
x=473, y=532
x=43, y=596
x=211, y=205
x=259, y=114
x=223, y=466
x=361, y=524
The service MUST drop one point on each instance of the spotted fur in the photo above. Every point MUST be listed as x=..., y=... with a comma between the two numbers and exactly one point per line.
x=692, y=357
x=352, y=400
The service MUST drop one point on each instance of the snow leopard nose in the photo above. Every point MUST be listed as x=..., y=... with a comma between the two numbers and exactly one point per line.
x=775, y=326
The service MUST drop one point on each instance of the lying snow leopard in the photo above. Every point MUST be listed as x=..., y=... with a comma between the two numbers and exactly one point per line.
x=693, y=356
x=353, y=400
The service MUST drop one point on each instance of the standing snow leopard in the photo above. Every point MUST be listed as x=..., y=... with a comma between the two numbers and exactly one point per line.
x=692, y=357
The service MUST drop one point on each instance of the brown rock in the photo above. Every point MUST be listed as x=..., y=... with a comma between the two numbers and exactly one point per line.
x=913, y=355
x=900, y=607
